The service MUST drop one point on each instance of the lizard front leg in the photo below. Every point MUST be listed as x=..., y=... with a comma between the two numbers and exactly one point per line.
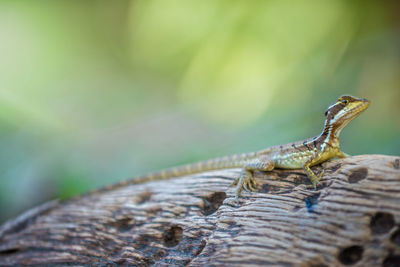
x=311, y=175
x=246, y=178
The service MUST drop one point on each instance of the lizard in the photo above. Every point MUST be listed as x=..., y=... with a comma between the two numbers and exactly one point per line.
x=298, y=155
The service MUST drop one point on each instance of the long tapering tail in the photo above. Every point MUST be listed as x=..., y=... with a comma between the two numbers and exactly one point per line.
x=234, y=161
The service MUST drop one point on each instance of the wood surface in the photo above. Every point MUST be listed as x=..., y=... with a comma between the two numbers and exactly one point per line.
x=353, y=219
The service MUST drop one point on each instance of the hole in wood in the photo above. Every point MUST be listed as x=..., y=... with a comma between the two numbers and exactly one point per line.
x=381, y=223
x=392, y=261
x=358, y=175
x=351, y=255
x=9, y=251
x=395, y=238
x=212, y=202
x=173, y=236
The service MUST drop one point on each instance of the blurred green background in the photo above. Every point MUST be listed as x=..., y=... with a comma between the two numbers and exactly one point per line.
x=92, y=92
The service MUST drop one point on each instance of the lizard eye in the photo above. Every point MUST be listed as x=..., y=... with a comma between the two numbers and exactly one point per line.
x=345, y=101
x=326, y=112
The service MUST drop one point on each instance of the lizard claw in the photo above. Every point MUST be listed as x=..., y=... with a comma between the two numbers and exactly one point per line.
x=246, y=182
x=316, y=181
x=249, y=184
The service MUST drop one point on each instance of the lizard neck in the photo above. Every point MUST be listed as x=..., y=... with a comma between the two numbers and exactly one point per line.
x=330, y=134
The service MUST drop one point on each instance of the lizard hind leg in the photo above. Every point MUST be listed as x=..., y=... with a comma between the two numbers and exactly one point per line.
x=246, y=179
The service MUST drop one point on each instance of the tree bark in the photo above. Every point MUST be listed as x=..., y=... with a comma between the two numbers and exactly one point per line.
x=353, y=218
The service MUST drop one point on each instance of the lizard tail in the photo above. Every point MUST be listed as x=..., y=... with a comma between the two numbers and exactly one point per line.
x=234, y=161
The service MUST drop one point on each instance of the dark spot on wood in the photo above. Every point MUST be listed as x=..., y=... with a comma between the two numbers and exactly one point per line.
x=351, y=255
x=268, y=188
x=212, y=202
x=9, y=251
x=335, y=167
x=122, y=220
x=124, y=224
x=396, y=164
x=265, y=188
x=392, y=261
x=280, y=147
x=144, y=197
x=283, y=174
x=142, y=241
x=318, y=262
x=311, y=201
x=358, y=175
x=301, y=179
x=395, y=238
x=381, y=223
x=173, y=236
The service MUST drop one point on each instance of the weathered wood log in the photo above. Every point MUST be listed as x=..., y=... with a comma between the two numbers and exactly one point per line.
x=352, y=219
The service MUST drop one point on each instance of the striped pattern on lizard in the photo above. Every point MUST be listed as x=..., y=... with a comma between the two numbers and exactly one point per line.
x=299, y=155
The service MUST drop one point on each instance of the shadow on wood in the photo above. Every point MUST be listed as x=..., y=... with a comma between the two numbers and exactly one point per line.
x=352, y=219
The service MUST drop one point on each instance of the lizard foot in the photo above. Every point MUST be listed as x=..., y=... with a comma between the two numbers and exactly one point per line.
x=249, y=183
x=245, y=181
x=316, y=180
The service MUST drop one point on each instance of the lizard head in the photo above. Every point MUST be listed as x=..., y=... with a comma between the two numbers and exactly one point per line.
x=346, y=108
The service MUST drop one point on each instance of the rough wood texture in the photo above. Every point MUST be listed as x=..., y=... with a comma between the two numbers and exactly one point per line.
x=353, y=219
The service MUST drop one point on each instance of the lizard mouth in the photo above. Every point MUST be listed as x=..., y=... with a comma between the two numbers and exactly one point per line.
x=363, y=105
x=359, y=107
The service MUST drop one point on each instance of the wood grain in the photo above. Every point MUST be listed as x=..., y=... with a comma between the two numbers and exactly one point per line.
x=353, y=219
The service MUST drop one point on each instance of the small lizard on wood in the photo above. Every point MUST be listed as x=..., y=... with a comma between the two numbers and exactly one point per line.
x=299, y=155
